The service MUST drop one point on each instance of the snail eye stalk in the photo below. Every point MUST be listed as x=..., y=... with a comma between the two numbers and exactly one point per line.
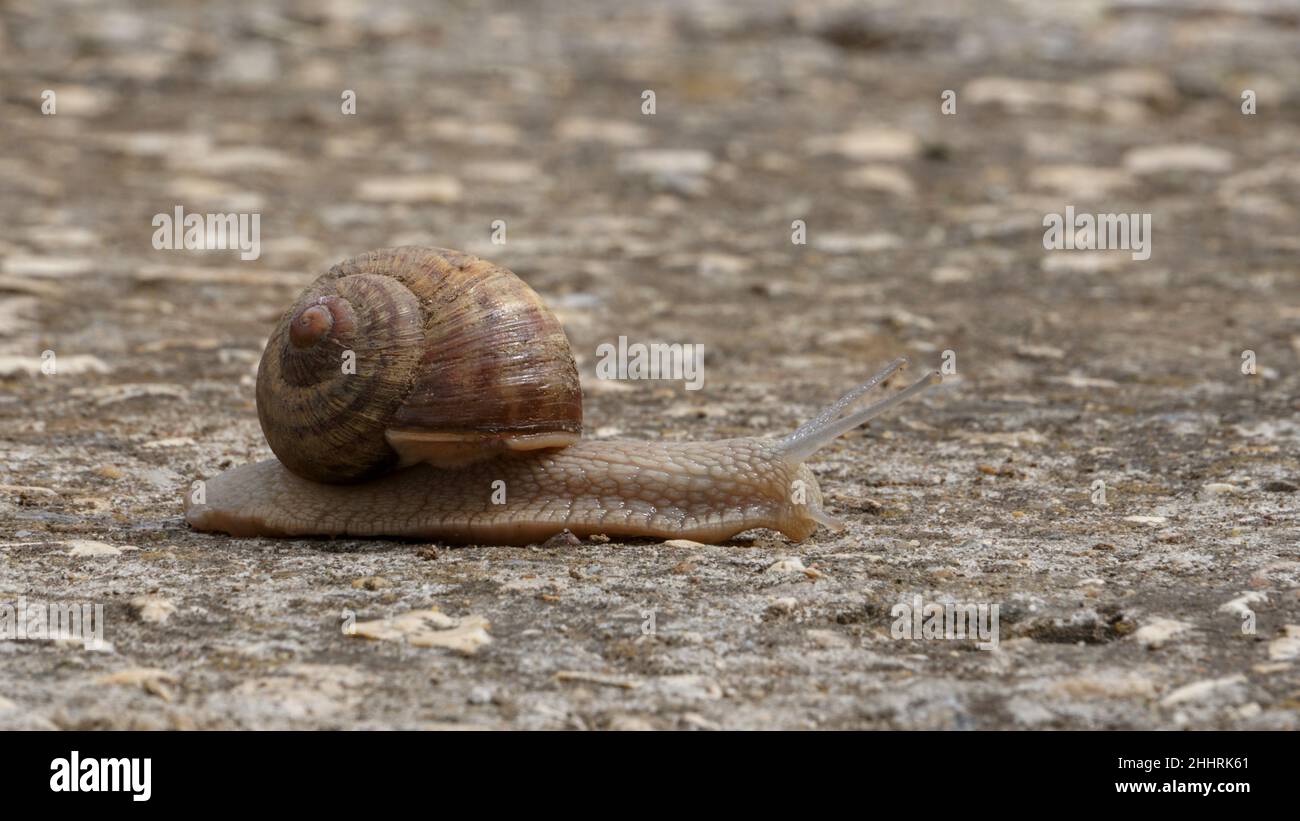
x=836, y=420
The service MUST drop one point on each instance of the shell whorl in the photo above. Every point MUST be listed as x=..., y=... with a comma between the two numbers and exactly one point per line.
x=444, y=345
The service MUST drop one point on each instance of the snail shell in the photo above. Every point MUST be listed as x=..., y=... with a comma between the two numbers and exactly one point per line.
x=455, y=360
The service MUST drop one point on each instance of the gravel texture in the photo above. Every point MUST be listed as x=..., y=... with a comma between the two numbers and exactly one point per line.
x=1173, y=604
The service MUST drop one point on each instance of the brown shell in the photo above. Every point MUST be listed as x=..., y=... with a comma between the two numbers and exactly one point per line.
x=446, y=345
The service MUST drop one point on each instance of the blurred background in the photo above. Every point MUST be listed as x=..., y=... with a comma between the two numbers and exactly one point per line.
x=678, y=223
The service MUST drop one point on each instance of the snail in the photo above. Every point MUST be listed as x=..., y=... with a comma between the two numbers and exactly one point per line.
x=460, y=420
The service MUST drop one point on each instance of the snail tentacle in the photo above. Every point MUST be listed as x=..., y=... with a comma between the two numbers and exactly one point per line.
x=832, y=423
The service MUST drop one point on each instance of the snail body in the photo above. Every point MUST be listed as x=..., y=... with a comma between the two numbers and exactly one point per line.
x=462, y=420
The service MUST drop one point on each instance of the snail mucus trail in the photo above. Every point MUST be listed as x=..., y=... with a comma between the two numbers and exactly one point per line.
x=464, y=381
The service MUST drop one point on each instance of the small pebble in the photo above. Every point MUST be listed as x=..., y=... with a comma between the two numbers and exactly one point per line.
x=436, y=189
x=868, y=144
x=1158, y=632
x=564, y=538
x=152, y=609
x=1287, y=647
x=1190, y=158
x=686, y=544
x=788, y=565
x=85, y=547
x=783, y=606
x=1146, y=520
x=1208, y=690
x=1220, y=489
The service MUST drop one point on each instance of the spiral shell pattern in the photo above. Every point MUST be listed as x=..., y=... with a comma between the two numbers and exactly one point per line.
x=423, y=340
